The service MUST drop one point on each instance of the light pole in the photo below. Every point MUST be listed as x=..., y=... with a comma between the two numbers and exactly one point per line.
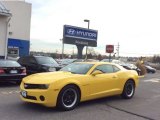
x=62, y=47
x=88, y=21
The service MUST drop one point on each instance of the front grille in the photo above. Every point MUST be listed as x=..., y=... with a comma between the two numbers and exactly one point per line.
x=36, y=86
x=31, y=97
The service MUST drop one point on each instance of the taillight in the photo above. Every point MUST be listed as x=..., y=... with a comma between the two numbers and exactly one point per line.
x=24, y=71
x=1, y=71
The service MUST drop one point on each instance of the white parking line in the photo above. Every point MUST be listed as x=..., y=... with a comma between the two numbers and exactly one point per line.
x=4, y=93
x=9, y=92
x=154, y=80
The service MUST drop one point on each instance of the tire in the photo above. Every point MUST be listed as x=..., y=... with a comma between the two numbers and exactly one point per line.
x=128, y=90
x=68, y=98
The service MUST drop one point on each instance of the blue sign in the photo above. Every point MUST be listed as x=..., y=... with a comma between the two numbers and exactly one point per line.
x=75, y=35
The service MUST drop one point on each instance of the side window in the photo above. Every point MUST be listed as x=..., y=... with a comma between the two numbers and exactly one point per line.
x=105, y=68
x=22, y=60
x=31, y=60
x=116, y=69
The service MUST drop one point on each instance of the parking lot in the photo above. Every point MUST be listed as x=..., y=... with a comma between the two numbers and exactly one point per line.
x=143, y=106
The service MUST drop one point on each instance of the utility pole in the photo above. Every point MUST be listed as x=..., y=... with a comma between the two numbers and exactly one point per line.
x=118, y=46
x=88, y=21
x=62, y=47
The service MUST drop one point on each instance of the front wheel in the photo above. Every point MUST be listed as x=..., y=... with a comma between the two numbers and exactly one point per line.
x=68, y=98
x=129, y=89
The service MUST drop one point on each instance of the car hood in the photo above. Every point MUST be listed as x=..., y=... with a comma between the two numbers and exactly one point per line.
x=48, y=77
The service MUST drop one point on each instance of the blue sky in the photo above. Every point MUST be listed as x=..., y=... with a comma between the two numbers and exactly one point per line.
x=134, y=24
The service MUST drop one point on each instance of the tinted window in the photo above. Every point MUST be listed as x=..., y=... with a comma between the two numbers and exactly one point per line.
x=32, y=60
x=9, y=64
x=77, y=68
x=116, y=69
x=23, y=60
x=105, y=68
x=46, y=60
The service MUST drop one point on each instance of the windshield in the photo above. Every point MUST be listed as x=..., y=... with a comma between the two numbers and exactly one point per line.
x=9, y=64
x=77, y=68
x=46, y=60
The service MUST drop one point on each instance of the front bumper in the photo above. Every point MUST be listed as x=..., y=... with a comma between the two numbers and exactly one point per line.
x=35, y=96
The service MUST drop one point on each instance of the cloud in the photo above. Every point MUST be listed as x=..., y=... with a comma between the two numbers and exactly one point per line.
x=134, y=24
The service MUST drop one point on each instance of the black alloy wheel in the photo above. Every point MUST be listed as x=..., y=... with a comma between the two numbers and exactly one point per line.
x=129, y=89
x=68, y=98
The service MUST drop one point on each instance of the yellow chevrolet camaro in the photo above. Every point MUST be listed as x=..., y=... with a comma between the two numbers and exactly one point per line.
x=78, y=82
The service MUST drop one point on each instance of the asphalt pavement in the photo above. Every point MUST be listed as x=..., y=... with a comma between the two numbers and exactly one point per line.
x=145, y=105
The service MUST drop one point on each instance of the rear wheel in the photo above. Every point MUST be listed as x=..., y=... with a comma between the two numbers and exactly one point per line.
x=68, y=98
x=128, y=90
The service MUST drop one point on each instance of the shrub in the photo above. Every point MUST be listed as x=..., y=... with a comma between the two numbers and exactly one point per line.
x=141, y=66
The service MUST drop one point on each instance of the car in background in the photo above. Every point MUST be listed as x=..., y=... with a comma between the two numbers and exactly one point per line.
x=91, y=60
x=117, y=62
x=106, y=60
x=58, y=61
x=131, y=67
x=79, y=60
x=79, y=82
x=86, y=60
x=37, y=64
x=11, y=71
x=150, y=69
x=65, y=62
x=12, y=58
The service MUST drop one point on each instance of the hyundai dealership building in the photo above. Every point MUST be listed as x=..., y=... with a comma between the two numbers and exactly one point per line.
x=15, y=20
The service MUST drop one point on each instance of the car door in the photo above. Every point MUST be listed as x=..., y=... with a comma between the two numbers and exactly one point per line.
x=103, y=84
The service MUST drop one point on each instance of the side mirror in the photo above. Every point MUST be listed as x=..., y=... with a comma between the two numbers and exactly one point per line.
x=96, y=72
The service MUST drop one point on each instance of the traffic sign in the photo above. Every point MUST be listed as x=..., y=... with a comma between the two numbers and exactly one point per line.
x=109, y=48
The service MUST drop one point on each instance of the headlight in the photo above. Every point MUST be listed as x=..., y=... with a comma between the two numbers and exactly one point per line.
x=36, y=86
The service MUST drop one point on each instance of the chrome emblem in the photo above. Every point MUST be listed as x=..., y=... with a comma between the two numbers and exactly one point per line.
x=71, y=31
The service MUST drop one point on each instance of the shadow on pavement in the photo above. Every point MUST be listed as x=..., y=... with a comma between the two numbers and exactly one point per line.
x=8, y=84
x=100, y=101
x=41, y=108
x=37, y=107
